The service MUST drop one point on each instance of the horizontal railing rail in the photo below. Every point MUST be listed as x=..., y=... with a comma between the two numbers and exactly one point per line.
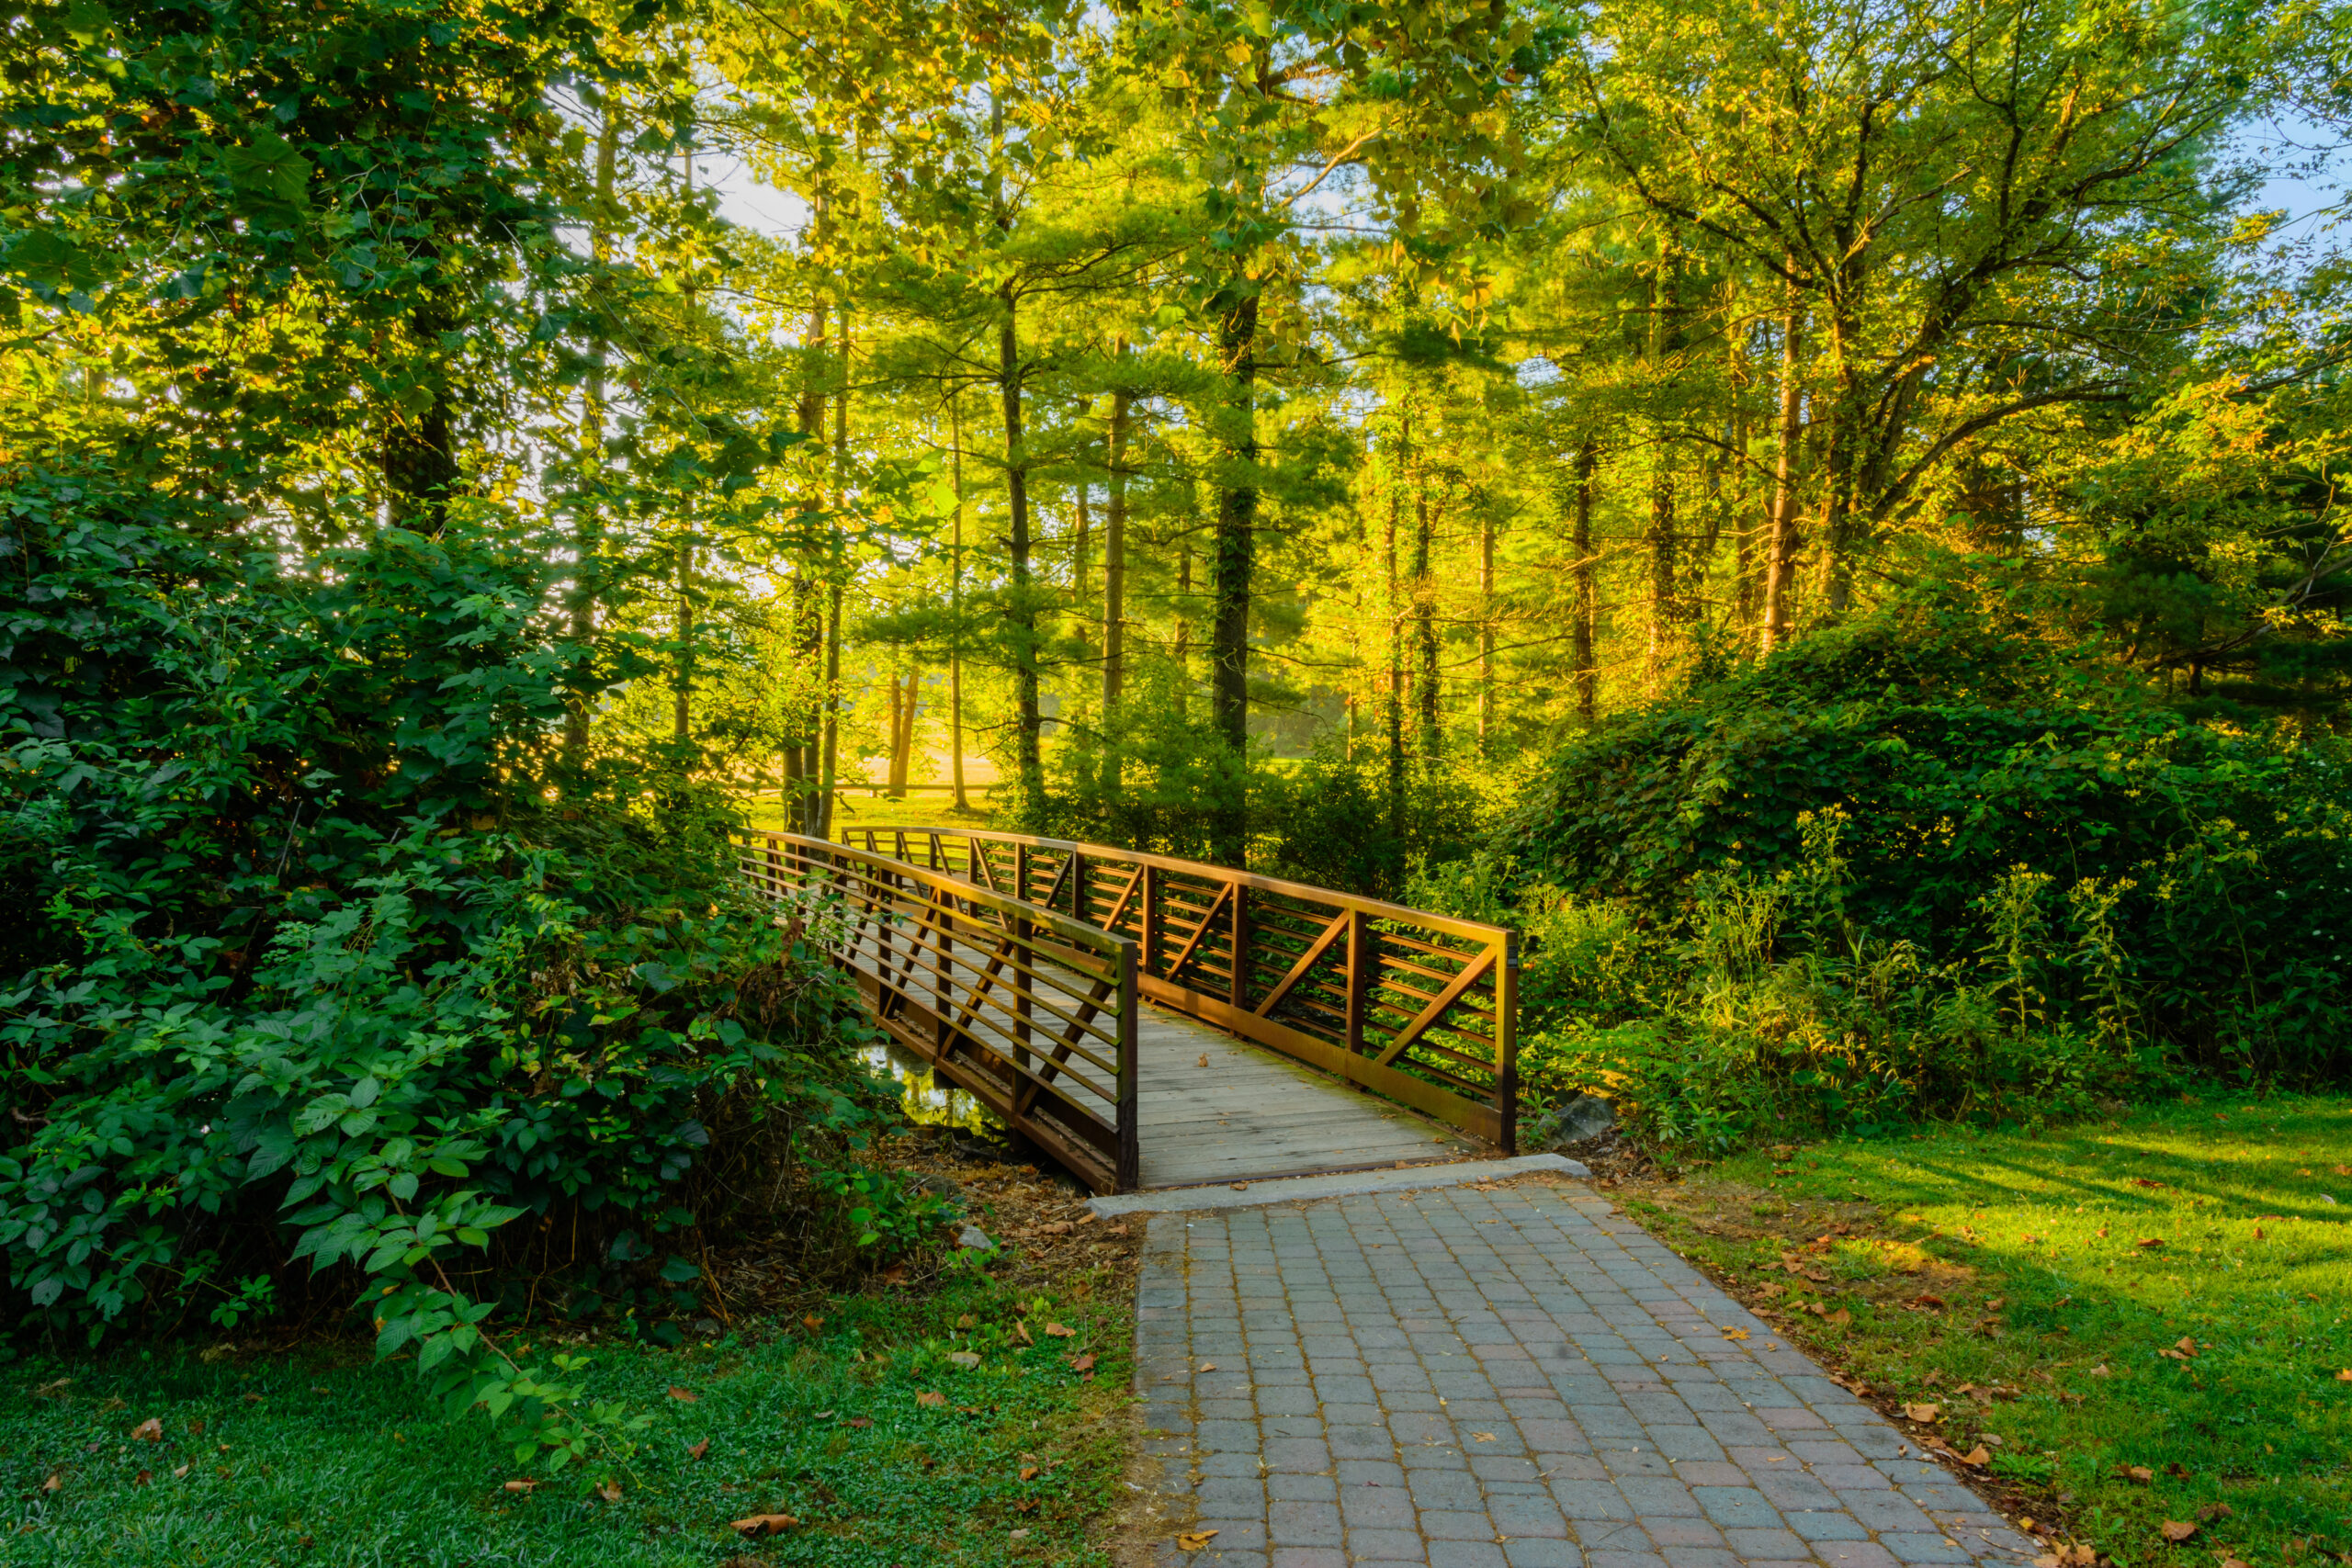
x=1420, y=1008
x=1030, y=1010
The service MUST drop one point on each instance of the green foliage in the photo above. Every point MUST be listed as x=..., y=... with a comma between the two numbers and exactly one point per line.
x=1155, y=777
x=1332, y=822
x=2097, y=863
x=330, y=959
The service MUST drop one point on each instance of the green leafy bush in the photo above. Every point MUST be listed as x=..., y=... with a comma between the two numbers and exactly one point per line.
x=1975, y=763
x=327, y=959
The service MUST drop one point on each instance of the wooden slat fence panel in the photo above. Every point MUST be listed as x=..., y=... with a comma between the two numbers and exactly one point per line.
x=1419, y=1007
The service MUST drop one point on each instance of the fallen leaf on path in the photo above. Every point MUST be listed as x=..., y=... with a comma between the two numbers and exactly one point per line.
x=2177, y=1530
x=1208, y=1366
x=1193, y=1540
x=148, y=1431
x=1482, y=1437
x=927, y=1397
x=684, y=1397
x=699, y=1449
x=1734, y=1334
x=521, y=1486
x=763, y=1524
x=1923, y=1414
x=1205, y=1058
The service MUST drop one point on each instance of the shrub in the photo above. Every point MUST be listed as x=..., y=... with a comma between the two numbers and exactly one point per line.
x=1967, y=757
x=329, y=960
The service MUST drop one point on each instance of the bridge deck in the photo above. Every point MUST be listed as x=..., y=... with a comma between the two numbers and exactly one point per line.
x=1251, y=1114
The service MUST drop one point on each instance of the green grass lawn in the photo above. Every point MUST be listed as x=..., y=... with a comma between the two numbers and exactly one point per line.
x=319, y=1460
x=2144, y=1320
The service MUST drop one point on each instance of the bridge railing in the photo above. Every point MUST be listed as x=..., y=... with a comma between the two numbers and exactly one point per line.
x=1423, y=1009
x=1031, y=1011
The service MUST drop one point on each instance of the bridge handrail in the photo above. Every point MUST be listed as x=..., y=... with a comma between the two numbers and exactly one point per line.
x=1031, y=1011
x=1419, y=1007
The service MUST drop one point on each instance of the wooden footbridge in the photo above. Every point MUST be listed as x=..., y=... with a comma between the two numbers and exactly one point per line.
x=1159, y=1023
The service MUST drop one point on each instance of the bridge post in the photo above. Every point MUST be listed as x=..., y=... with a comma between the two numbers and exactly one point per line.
x=1359, y=980
x=1240, y=988
x=1130, y=1156
x=1507, y=1043
x=1150, y=918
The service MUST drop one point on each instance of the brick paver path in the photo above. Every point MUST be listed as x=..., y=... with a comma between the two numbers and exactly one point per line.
x=1517, y=1376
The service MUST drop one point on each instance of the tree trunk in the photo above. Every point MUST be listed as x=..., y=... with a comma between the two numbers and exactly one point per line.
x=1394, y=714
x=905, y=702
x=1115, y=559
x=1780, y=547
x=1581, y=628
x=1184, y=627
x=955, y=608
x=588, y=525
x=1081, y=564
x=1662, y=540
x=1426, y=696
x=1236, y=558
x=1662, y=548
x=419, y=456
x=1486, y=632
x=681, y=683
x=832, y=710
x=833, y=594
x=1029, y=766
x=1838, y=538
x=807, y=606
